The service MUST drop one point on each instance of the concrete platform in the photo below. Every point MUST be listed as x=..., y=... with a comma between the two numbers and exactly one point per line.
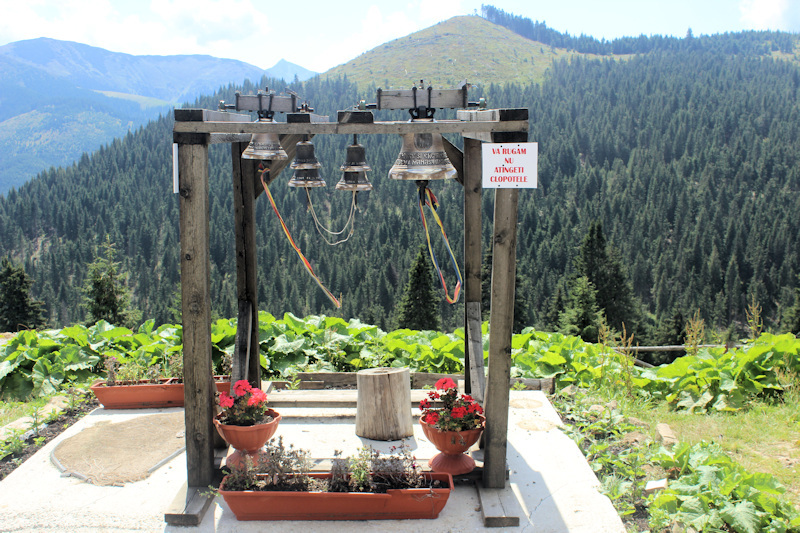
x=550, y=488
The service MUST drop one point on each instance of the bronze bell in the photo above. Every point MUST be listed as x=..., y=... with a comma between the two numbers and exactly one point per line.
x=354, y=181
x=264, y=145
x=356, y=160
x=306, y=178
x=304, y=158
x=422, y=157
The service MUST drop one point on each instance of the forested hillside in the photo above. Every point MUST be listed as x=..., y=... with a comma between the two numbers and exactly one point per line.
x=688, y=158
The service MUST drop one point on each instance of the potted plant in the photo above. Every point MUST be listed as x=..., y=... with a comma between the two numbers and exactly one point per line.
x=244, y=420
x=277, y=485
x=451, y=428
x=135, y=383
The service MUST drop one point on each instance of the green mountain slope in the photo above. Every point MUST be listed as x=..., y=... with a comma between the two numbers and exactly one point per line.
x=461, y=48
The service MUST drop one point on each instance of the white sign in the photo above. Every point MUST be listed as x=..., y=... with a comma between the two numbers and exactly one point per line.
x=510, y=165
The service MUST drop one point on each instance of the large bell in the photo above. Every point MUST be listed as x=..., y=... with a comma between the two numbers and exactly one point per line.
x=264, y=145
x=422, y=157
x=304, y=158
x=306, y=178
x=354, y=181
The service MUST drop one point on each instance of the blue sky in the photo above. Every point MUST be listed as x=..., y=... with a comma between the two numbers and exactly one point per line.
x=322, y=34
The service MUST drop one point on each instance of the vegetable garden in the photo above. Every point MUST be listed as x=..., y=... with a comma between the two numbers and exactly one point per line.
x=708, y=490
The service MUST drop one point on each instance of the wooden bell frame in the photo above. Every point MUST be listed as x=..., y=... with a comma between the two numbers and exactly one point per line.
x=195, y=129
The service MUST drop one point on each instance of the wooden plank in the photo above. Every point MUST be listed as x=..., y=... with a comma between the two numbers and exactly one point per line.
x=547, y=385
x=355, y=117
x=456, y=158
x=331, y=379
x=497, y=508
x=377, y=128
x=492, y=115
x=196, y=312
x=306, y=118
x=504, y=271
x=311, y=385
x=241, y=352
x=189, y=506
x=245, y=176
x=222, y=138
x=498, y=116
x=278, y=103
x=473, y=248
x=207, y=115
x=477, y=376
x=412, y=99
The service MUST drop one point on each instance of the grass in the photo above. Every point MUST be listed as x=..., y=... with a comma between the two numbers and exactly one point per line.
x=462, y=48
x=10, y=411
x=764, y=438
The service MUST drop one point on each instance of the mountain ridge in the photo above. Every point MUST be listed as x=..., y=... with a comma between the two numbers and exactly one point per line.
x=48, y=87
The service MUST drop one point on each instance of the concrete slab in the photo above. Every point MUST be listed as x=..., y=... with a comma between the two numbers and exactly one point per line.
x=550, y=488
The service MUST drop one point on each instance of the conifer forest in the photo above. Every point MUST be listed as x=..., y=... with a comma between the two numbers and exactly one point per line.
x=681, y=157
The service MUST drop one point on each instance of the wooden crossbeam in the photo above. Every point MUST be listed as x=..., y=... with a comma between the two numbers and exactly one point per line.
x=468, y=129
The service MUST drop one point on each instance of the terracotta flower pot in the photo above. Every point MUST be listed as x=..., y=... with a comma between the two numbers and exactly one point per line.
x=452, y=445
x=247, y=440
x=394, y=504
x=143, y=394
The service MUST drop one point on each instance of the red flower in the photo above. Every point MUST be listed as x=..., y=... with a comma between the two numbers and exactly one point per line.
x=467, y=398
x=424, y=404
x=431, y=418
x=257, y=396
x=445, y=383
x=459, y=412
x=241, y=387
x=225, y=400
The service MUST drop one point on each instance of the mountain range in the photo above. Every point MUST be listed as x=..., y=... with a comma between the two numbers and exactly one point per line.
x=683, y=150
x=59, y=99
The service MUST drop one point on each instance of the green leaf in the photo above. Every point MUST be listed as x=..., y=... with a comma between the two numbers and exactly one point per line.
x=742, y=517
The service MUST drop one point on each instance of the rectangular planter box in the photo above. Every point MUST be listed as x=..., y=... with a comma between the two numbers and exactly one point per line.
x=395, y=504
x=144, y=395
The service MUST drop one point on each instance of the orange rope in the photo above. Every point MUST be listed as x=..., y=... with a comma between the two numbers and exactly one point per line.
x=305, y=262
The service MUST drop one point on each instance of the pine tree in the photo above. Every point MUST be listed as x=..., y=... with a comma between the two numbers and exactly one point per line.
x=105, y=295
x=582, y=317
x=18, y=310
x=793, y=315
x=597, y=262
x=418, y=309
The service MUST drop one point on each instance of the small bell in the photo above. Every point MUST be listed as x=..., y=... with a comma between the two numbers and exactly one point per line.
x=304, y=158
x=356, y=160
x=354, y=181
x=264, y=145
x=422, y=157
x=306, y=178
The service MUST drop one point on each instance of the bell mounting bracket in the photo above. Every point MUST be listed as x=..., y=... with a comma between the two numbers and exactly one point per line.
x=422, y=102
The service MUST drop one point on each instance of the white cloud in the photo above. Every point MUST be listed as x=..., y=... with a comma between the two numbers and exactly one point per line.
x=770, y=14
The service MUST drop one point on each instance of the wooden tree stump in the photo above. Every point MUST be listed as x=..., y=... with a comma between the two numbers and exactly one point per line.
x=383, y=410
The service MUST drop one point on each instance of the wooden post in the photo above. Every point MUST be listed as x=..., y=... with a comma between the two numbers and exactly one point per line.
x=244, y=194
x=196, y=307
x=473, y=260
x=504, y=271
x=383, y=408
